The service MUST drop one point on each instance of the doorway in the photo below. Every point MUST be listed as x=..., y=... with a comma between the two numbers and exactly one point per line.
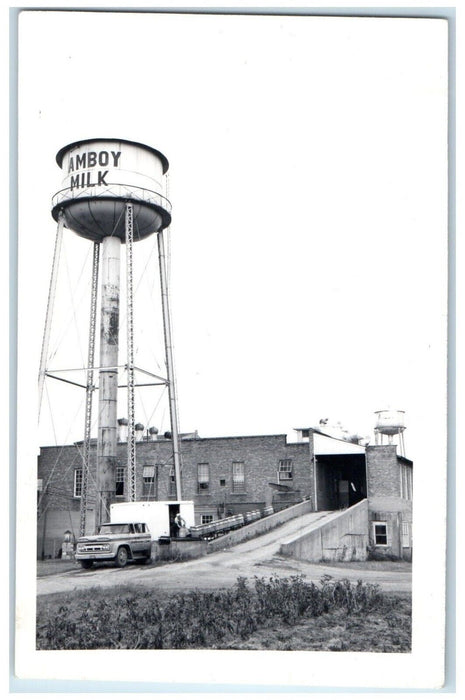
x=174, y=509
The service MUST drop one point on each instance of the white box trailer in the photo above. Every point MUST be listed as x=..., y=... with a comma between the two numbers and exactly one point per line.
x=160, y=516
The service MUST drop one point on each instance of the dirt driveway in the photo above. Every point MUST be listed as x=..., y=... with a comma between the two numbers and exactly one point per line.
x=257, y=557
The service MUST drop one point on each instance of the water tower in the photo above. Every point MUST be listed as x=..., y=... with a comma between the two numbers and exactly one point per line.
x=111, y=194
x=390, y=423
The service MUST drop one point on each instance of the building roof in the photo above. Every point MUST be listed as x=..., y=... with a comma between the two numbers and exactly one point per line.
x=327, y=445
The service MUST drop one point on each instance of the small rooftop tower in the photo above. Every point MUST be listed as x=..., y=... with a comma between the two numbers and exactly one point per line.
x=111, y=194
x=390, y=423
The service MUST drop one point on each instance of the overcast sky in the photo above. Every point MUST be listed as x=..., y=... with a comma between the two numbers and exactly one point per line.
x=309, y=237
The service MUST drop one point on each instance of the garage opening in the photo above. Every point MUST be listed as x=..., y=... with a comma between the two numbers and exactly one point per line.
x=341, y=481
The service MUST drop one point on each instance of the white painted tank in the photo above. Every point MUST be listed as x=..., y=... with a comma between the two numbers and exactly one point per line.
x=100, y=176
x=390, y=422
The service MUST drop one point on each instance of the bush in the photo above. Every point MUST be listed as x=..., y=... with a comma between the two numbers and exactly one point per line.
x=142, y=620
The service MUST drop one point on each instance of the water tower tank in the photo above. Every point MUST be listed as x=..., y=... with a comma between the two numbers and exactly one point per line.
x=390, y=422
x=100, y=177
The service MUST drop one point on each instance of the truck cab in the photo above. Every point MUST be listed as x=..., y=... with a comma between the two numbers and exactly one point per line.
x=117, y=542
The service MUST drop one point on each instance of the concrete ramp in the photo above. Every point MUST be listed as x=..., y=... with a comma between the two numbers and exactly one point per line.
x=337, y=536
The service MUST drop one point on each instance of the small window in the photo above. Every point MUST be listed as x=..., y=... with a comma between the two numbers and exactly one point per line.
x=206, y=518
x=222, y=482
x=285, y=470
x=380, y=534
x=172, y=482
x=148, y=481
x=119, y=479
x=238, y=477
x=203, y=477
x=77, y=483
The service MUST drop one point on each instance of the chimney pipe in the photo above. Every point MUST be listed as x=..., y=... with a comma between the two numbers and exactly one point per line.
x=122, y=429
x=139, y=428
x=153, y=433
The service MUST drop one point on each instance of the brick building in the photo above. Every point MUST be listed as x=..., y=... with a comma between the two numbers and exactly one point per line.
x=229, y=475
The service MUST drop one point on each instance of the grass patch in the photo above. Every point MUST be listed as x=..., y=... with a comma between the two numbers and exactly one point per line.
x=370, y=565
x=49, y=567
x=274, y=613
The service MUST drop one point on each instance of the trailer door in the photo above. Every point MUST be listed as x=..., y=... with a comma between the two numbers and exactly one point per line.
x=173, y=511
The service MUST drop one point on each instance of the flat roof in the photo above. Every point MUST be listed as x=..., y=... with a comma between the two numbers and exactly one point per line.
x=327, y=445
x=167, y=441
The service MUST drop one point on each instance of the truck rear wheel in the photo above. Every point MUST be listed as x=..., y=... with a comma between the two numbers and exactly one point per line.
x=121, y=557
x=86, y=563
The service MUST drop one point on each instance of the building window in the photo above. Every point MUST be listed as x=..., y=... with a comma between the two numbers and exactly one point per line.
x=172, y=482
x=119, y=481
x=78, y=483
x=285, y=470
x=406, y=482
x=222, y=482
x=148, y=481
x=203, y=477
x=206, y=518
x=238, y=477
x=380, y=534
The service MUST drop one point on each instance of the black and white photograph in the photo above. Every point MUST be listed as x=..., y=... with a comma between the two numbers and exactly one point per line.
x=232, y=348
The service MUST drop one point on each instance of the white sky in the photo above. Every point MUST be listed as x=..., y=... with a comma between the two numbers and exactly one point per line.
x=308, y=181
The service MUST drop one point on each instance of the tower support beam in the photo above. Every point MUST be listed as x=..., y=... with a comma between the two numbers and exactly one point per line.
x=170, y=364
x=130, y=342
x=89, y=391
x=50, y=306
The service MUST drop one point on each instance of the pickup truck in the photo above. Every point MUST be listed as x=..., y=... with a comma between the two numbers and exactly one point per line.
x=117, y=542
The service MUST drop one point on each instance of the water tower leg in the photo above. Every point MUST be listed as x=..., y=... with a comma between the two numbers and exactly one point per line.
x=130, y=343
x=50, y=306
x=89, y=391
x=402, y=444
x=108, y=377
x=170, y=364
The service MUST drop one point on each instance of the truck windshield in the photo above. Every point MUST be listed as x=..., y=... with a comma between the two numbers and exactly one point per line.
x=114, y=529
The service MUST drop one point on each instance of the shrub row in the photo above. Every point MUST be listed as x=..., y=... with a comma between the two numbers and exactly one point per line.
x=145, y=620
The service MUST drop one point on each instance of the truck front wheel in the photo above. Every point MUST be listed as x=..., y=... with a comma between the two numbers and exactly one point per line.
x=121, y=557
x=86, y=563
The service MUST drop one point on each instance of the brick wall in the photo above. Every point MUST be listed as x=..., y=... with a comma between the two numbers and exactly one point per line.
x=384, y=480
x=388, y=502
x=383, y=471
x=260, y=455
x=56, y=469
